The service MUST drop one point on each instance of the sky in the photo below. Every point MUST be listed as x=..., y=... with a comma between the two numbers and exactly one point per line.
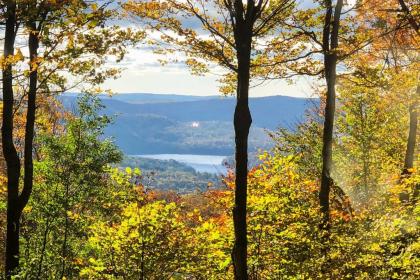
x=142, y=73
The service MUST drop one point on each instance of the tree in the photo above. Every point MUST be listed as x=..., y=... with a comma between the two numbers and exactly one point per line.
x=366, y=158
x=329, y=49
x=316, y=30
x=48, y=24
x=413, y=110
x=355, y=36
x=73, y=172
x=235, y=35
x=14, y=206
x=412, y=134
x=397, y=50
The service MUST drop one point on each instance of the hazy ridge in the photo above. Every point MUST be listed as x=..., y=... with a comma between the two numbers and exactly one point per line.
x=182, y=124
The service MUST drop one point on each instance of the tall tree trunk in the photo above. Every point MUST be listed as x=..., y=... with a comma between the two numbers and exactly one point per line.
x=16, y=202
x=30, y=115
x=411, y=141
x=9, y=150
x=242, y=124
x=326, y=180
x=330, y=44
x=43, y=247
x=412, y=134
x=66, y=233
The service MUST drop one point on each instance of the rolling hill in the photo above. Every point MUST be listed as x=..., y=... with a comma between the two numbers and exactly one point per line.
x=156, y=123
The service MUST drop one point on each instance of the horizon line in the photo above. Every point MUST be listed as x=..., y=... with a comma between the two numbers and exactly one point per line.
x=192, y=95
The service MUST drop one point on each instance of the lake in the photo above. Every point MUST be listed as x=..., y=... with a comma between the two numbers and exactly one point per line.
x=201, y=163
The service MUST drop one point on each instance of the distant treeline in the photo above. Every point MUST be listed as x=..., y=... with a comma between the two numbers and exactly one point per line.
x=170, y=175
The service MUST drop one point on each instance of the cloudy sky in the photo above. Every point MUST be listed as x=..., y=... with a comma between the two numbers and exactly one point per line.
x=143, y=73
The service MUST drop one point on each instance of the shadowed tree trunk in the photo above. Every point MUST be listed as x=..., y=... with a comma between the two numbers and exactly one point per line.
x=410, y=152
x=412, y=134
x=243, y=19
x=30, y=115
x=242, y=124
x=330, y=44
x=16, y=202
x=411, y=140
x=231, y=32
x=9, y=150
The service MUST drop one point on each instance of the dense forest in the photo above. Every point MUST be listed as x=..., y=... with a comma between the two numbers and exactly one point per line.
x=336, y=197
x=170, y=175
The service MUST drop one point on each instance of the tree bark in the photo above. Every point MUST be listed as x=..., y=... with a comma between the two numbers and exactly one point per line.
x=412, y=135
x=330, y=44
x=242, y=124
x=9, y=150
x=411, y=141
x=16, y=202
x=30, y=116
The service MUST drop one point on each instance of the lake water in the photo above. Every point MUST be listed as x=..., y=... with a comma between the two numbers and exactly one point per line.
x=201, y=163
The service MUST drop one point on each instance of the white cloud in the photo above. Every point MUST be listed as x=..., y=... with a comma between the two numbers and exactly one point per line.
x=143, y=74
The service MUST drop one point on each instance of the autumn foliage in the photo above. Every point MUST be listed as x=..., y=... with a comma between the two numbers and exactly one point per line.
x=86, y=217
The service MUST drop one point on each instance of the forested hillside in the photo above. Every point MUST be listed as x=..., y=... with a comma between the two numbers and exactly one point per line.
x=159, y=123
x=325, y=187
x=171, y=175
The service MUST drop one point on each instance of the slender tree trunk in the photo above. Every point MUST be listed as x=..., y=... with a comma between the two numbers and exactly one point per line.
x=412, y=135
x=16, y=203
x=242, y=124
x=330, y=44
x=66, y=232
x=328, y=123
x=9, y=149
x=410, y=152
x=30, y=116
x=411, y=141
x=43, y=248
x=326, y=180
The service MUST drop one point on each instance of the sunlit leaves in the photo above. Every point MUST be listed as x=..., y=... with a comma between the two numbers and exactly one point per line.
x=204, y=32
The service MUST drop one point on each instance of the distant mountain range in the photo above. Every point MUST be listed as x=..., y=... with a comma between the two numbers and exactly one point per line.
x=168, y=123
